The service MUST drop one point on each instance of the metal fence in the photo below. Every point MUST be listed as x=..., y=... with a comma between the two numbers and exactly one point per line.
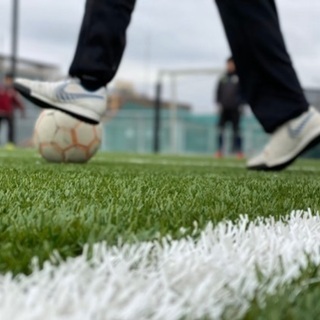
x=128, y=132
x=133, y=132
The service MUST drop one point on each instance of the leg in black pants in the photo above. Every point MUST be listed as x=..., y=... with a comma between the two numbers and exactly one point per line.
x=99, y=50
x=268, y=79
x=102, y=40
x=1, y=121
x=221, y=128
x=11, y=128
x=232, y=117
x=236, y=134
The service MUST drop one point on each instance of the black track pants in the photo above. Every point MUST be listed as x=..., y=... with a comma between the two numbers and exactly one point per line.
x=268, y=79
x=102, y=39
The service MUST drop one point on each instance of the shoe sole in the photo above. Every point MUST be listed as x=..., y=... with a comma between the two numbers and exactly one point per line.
x=312, y=143
x=74, y=111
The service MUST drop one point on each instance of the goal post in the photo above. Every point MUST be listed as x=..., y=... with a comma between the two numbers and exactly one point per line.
x=173, y=77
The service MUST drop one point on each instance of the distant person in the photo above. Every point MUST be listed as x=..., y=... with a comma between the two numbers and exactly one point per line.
x=9, y=101
x=267, y=77
x=229, y=101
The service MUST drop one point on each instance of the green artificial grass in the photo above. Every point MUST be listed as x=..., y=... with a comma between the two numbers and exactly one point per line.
x=121, y=197
x=295, y=301
x=127, y=198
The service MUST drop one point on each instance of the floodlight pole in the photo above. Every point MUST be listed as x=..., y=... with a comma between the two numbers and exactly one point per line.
x=14, y=36
x=173, y=115
x=157, y=115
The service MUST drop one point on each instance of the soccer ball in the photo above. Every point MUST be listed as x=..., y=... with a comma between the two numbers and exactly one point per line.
x=62, y=138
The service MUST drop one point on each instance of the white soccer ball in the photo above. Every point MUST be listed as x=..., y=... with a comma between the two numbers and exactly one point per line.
x=62, y=138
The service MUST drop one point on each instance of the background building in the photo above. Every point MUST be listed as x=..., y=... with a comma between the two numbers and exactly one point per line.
x=33, y=70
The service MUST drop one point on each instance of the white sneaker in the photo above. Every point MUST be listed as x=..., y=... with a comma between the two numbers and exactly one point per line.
x=288, y=142
x=68, y=96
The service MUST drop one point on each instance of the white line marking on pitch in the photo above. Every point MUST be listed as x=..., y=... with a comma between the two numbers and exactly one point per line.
x=169, y=279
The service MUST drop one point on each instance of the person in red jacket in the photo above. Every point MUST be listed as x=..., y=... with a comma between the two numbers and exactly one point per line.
x=9, y=101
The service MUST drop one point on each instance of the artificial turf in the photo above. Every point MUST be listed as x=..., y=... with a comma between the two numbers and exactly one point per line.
x=116, y=196
x=127, y=198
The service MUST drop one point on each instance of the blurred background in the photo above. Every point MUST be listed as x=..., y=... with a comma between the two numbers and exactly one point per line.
x=179, y=44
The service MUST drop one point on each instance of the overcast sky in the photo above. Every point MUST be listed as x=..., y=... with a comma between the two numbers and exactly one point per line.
x=163, y=34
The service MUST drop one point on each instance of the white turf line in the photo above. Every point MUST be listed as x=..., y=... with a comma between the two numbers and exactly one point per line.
x=172, y=279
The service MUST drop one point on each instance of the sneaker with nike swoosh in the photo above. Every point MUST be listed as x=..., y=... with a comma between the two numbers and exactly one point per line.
x=68, y=96
x=288, y=142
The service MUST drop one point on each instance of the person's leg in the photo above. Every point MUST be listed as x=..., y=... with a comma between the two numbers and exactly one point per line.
x=268, y=79
x=102, y=40
x=220, y=139
x=269, y=82
x=1, y=120
x=99, y=51
x=236, y=134
x=11, y=129
x=220, y=134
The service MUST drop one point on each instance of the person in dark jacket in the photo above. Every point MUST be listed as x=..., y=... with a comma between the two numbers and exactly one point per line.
x=268, y=80
x=229, y=102
x=9, y=102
